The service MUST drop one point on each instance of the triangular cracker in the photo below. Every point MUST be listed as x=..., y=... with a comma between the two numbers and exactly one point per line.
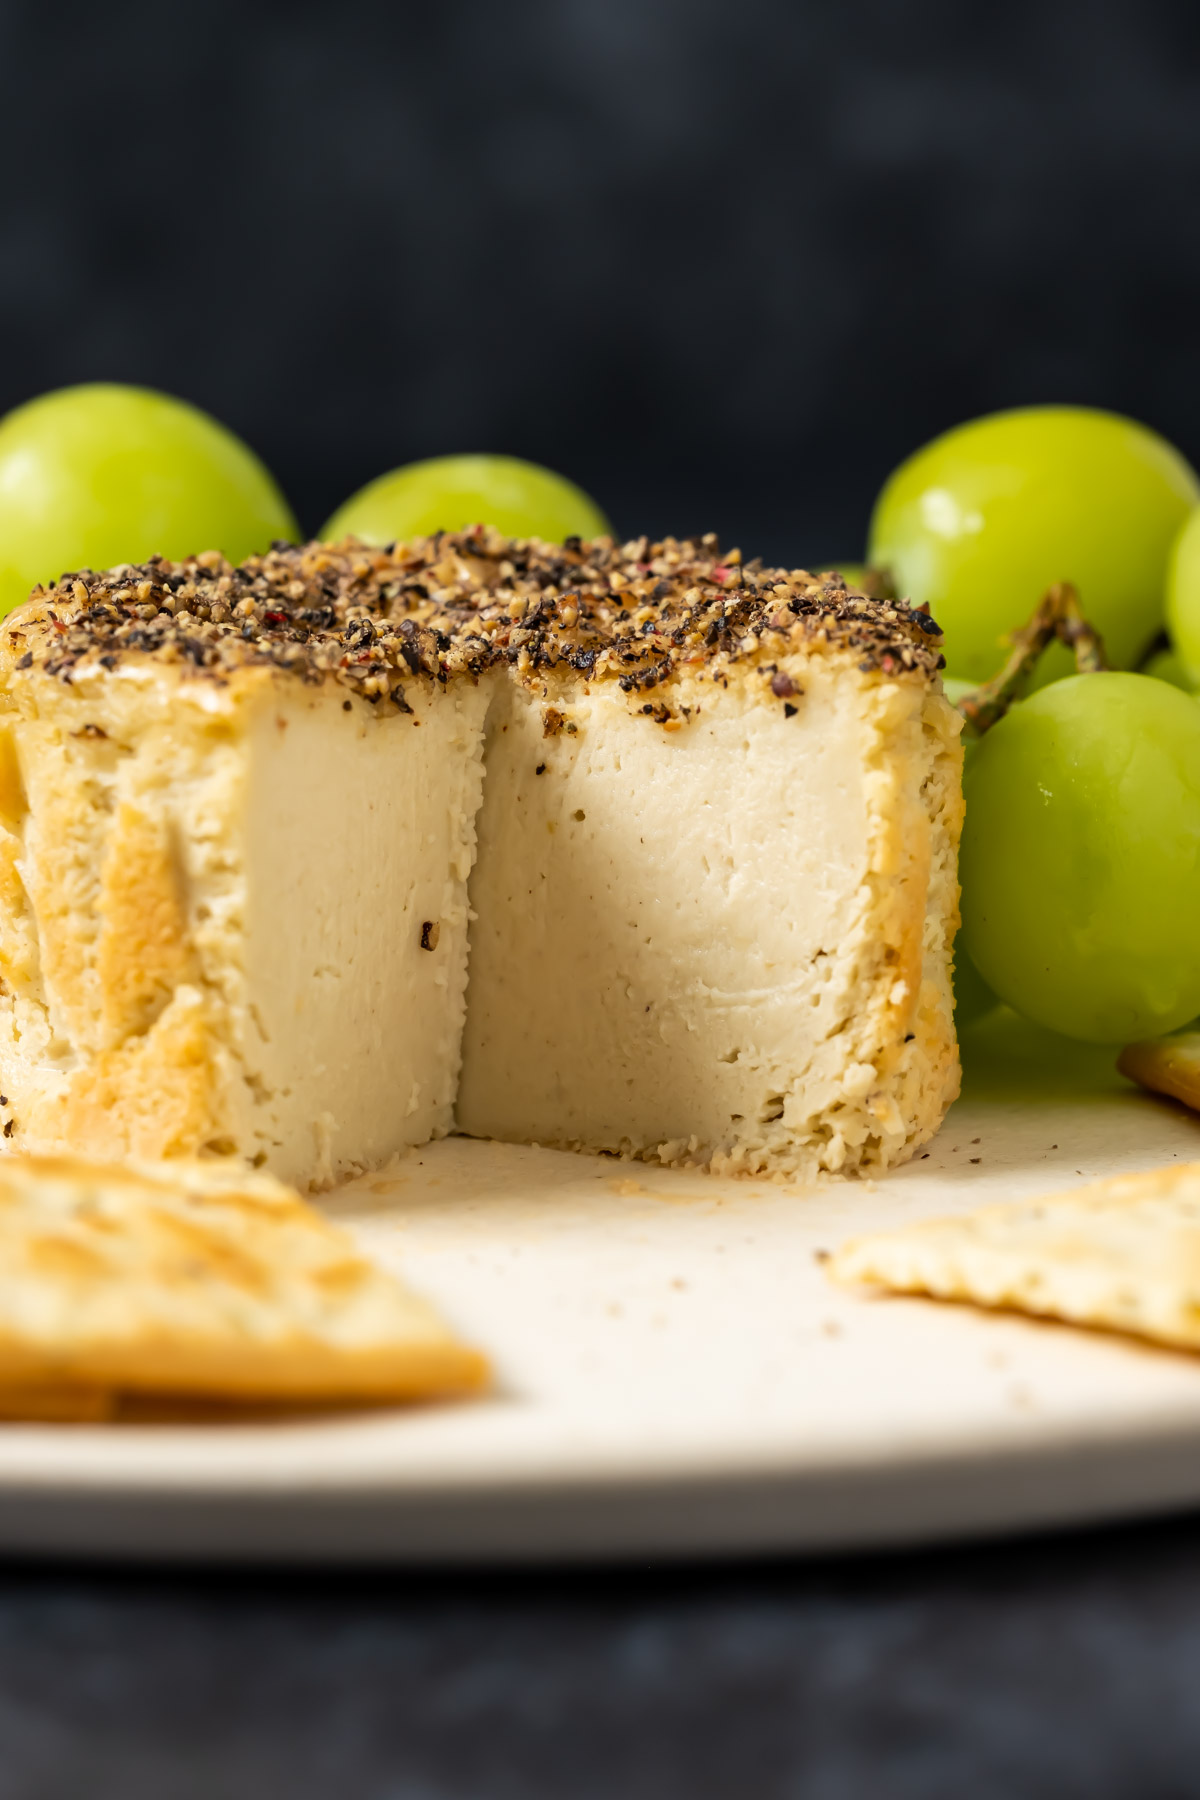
x=1166, y=1065
x=197, y=1279
x=1122, y=1255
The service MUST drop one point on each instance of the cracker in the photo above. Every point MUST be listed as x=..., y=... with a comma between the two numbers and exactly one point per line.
x=1166, y=1065
x=1120, y=1255
x=201, y=1281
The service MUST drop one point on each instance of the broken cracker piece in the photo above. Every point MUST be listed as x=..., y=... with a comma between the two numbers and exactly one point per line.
x=197, y=1280
x=1119, y=1255
x=1166, y=1065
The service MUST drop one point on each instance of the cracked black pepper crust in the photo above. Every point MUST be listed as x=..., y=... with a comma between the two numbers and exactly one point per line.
x=457, y=604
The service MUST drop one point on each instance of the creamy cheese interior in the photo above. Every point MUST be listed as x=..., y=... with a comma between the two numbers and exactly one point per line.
x=677, y=939
x=359, y=837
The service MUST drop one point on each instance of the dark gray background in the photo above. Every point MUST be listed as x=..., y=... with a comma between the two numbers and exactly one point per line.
x=1060, y=1670
x=723, y=261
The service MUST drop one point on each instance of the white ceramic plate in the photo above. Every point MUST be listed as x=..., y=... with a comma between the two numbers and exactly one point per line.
x=676, y=1375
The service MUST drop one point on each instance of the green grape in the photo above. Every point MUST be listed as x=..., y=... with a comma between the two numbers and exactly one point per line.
x=1183, y=596
x=1080, y=859
x=101, y=474
x=1168, y=665
x=449, y=493
x=973, y=998
x=983, y=520
x=851, y=573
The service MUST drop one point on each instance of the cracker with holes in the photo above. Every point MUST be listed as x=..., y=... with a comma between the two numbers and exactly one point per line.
x=1119, y=1255
x=194, y=1281
x=1166, y=1065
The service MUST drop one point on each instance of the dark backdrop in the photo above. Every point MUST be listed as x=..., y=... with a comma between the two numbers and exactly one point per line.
x=723, y=261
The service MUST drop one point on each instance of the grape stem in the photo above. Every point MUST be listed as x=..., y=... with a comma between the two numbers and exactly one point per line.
x=1058, y=619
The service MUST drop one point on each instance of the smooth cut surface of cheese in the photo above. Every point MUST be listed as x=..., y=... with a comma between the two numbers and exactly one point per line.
x=725, y=943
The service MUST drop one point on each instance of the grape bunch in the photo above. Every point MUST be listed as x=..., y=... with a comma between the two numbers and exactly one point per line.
x=1081, y=851
x=102, y=474
x=1080, y=860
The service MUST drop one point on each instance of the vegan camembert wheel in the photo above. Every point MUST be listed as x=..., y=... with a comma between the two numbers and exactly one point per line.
x=635, y=848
